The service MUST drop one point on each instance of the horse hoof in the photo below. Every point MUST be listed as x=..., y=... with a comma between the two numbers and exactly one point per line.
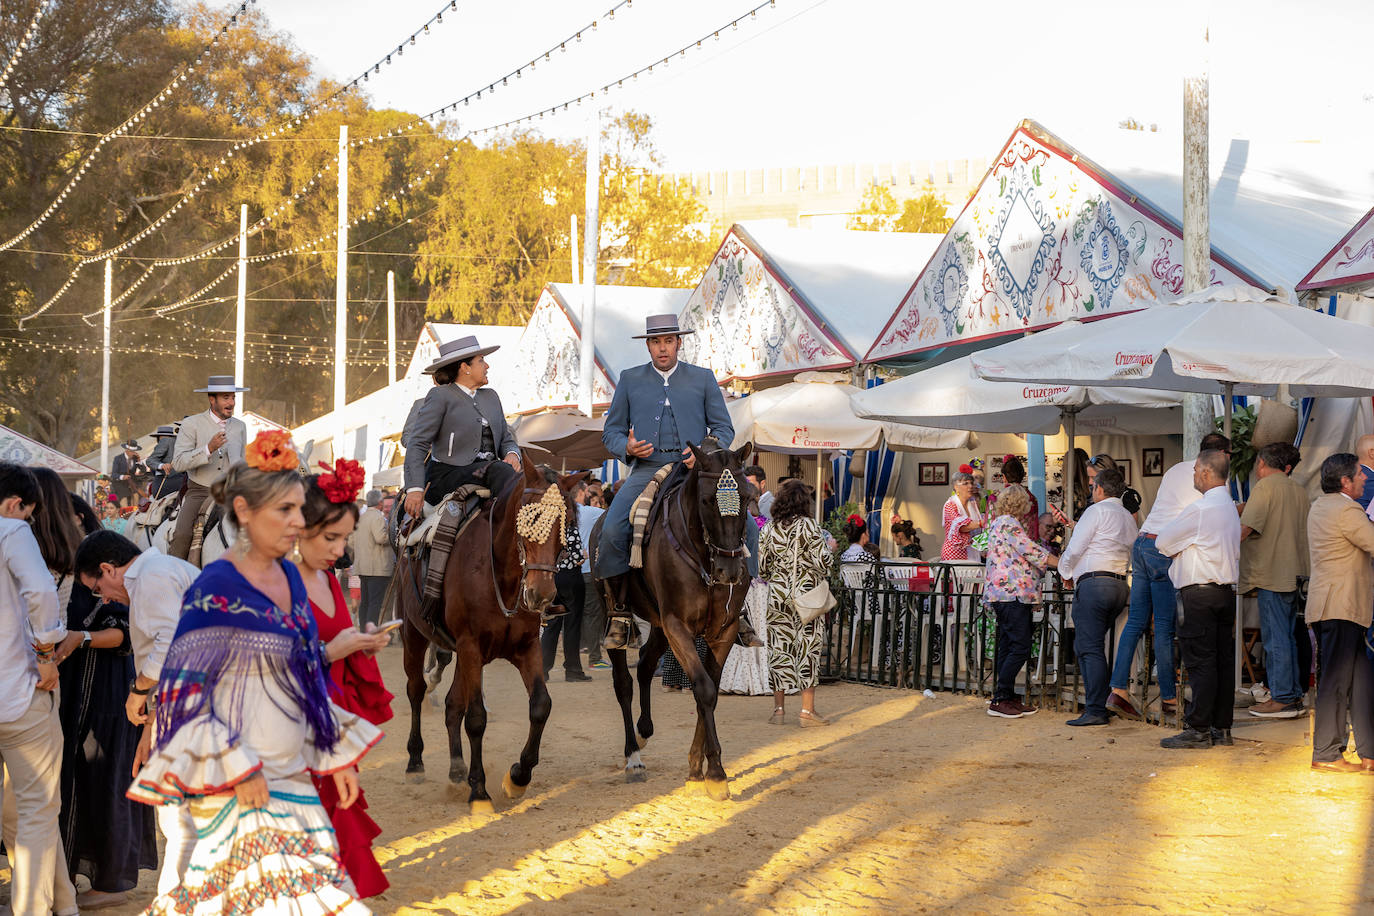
x=641, y=740
x=510, y=788
x=481, y=807
x=458, y=775
x=637, y=774
x=695, y=785
x=415, y=775
x=719, y=789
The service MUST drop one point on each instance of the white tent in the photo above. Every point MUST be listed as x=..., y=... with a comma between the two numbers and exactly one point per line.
x=1235, y=340
x=813, y=414
x=776, y=301
x=19, y=449
x=952, y=396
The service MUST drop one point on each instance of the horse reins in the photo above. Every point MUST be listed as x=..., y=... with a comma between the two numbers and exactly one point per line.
x=525, y=567
x=713, y=550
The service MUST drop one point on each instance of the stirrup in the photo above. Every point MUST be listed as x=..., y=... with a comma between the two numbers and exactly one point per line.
x=617, y=632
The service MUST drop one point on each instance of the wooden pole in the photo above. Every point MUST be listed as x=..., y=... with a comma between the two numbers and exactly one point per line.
x=1197, y=249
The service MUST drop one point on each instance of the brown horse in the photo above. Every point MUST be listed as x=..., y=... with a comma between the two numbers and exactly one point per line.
x=693, y=582
x=498, y=581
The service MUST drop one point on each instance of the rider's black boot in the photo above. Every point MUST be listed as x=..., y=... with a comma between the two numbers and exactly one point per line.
x=618, y=621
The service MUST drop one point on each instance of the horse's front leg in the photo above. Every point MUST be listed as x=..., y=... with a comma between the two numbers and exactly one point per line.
x=469, y=675
x=414, y=645
x=624, y=696
x=531, y=668
x=649, y=657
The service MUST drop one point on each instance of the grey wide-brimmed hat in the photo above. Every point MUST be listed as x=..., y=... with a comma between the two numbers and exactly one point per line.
x=458, y=350
x=660, y=326
x=166, y=431
x=220, y=384
x=131, y=445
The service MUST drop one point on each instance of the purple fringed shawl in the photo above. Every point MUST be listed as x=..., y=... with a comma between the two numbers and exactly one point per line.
x=228, y=626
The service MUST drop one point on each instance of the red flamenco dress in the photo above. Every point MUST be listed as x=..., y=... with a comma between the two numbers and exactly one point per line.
x=356, y=682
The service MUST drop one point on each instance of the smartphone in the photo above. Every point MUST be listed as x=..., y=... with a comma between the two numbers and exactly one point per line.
x=1058, y=514
x=388, y=626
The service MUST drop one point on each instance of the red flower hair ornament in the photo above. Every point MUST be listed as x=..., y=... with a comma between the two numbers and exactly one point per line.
x=271, y=450
x=855, y=519
x=343, y=482
x=965, y=469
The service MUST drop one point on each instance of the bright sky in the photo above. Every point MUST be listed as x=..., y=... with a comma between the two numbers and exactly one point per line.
x=815, y=81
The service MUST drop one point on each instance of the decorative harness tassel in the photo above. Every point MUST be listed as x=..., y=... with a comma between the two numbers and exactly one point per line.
x=727, y=495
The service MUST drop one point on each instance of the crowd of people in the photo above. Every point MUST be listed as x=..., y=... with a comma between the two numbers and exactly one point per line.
x=227, y=707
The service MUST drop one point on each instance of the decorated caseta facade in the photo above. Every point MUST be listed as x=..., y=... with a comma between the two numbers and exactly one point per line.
x=1048, y=236
x=776, y=301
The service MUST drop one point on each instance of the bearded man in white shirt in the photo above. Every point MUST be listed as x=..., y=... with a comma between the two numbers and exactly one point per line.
x=1098, y=556
x=1204, y=542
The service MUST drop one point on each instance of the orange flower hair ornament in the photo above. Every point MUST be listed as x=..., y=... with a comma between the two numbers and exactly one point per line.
x=271, y=450
x=343, y=482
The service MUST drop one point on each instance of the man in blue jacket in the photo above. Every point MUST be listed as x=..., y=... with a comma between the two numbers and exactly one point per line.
x=658, y=408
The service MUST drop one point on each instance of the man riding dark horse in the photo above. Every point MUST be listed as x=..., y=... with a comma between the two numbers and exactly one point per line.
x=457, y=436
x=657, y=410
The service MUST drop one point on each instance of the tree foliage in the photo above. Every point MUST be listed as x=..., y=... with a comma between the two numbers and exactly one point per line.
x=476, y=241
x=878, y=211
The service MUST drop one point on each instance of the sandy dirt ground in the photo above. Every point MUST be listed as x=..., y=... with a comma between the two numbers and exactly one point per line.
x=905, y=804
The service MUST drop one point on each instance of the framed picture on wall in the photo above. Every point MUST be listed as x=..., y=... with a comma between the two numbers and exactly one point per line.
x=934, y=474
x=1125, y=464
x=1152, y=462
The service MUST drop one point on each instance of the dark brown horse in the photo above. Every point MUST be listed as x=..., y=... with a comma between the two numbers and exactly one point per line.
x=498, y=580
x=693, y=583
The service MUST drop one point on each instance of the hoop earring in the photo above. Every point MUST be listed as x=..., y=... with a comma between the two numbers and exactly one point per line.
x=296, y=551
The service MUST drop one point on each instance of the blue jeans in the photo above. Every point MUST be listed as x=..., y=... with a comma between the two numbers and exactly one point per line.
x=613, y=550
x=1096, y=604
x=1151, y=594
x=1277, y=611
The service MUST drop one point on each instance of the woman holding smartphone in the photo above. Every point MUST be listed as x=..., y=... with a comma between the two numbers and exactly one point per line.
x=331, y=513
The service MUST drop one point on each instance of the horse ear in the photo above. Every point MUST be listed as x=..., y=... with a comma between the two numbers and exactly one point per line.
x=696, y=453
x=532, y=476
x=742, y=453
x=569, y=482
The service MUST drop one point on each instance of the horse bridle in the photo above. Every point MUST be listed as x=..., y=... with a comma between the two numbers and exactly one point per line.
x=525, y=567
x=713, y=551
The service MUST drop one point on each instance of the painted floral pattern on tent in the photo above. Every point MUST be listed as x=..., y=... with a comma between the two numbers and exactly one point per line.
x=748, y=325
x=1351, y=261
x=548, y=363
x=1043, y=240
x=20, y=449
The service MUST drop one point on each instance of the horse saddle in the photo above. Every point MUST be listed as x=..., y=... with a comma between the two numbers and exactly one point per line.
x=453, y=510
x=647, y=506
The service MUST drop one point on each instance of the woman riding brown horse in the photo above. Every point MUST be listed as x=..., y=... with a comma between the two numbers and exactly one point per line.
x=694, y=582
x=497, y=582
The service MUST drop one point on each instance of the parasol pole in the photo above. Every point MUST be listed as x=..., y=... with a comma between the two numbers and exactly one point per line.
x=819, y=520
x=1070, y=462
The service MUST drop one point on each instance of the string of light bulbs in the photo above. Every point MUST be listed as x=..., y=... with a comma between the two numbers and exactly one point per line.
x=128, y=124
x=437, y=164
x=324, y=359
x=24, y=42
x=393, y=133
x=211, y=174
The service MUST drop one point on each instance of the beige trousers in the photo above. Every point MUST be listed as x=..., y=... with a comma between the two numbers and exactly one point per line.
x=31, y=750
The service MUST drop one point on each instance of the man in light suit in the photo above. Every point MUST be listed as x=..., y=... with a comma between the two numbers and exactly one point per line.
x=1340, y=541
x=208, y=444
x=658, y=408
x=374, y=559
x=165, y=479
x=459, y=435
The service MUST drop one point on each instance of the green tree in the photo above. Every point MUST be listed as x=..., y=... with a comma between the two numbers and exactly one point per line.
x=925, y=213
x=877, y=210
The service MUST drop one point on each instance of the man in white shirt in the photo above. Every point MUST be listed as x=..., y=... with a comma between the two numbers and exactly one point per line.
x=1152, y=593
x=593, y=613
x=1204, y=542
x=1097, y=557
x=30, y=733
x=152, y=584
